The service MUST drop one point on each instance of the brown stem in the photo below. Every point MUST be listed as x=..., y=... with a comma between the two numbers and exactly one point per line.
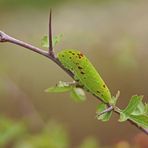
x=105, y=111
x=6, y=38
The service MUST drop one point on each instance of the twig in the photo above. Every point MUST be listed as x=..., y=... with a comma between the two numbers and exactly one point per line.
x=105, y=111
x=6, y=38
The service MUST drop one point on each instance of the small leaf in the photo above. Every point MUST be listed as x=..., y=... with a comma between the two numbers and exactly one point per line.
x=45, y=42
x=104, y=117
x=141, y=120
x=78, y=94
x=133, y=103
x=57, y=39
x=134, y=107
x=140, y=109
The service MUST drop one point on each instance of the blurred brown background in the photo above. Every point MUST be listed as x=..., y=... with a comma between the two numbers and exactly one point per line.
x=113, y=34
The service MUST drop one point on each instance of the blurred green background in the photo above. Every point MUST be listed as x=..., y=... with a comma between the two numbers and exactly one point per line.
x=112, y=33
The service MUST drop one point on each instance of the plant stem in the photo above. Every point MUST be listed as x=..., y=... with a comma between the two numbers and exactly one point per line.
x=6, y=38
x=105, y=111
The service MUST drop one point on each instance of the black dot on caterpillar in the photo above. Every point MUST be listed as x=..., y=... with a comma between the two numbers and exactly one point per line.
x=98, y=91
x=82, y=73
x=104, y=86
x=79, y=67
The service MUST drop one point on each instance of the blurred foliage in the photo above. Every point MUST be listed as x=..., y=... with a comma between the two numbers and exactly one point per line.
x=16, y=134
x=43, y=3
x=32, y=3
x=52, y=135
x=89, y=142
x=10, y=131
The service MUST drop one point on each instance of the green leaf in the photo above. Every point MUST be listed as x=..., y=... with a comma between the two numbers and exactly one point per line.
x=123, y=117
x=133, y=104
x=78, y=94
x=57, y=39
x=10, y=131
x=140, y=109
x=141, y=120
x=45, y=42
x=104, y=117
x=134, y=107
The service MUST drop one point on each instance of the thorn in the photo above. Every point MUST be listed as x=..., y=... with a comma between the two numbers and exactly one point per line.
x=50, y=35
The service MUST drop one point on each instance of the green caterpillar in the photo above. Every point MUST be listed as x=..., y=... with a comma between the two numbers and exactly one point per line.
x=85, y=73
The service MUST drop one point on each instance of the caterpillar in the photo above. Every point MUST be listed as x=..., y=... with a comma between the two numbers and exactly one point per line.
x=84, y=73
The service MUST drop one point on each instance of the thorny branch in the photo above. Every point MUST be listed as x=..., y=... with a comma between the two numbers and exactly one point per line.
x=6, y=38
x=51, y=55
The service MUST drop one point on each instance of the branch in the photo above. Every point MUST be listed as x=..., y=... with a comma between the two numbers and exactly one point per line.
x=105, y=111
x=6, y=38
